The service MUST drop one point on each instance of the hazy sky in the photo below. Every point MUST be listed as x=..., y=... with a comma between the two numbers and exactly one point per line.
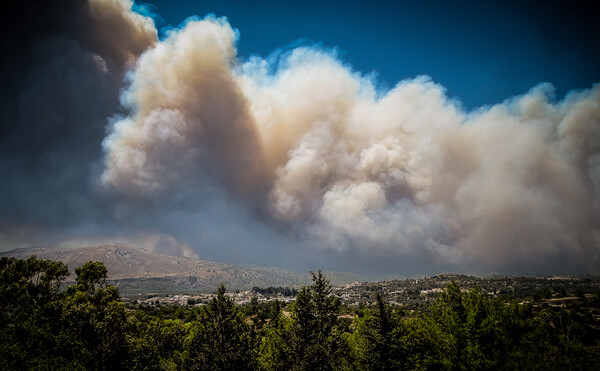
x=389, y=138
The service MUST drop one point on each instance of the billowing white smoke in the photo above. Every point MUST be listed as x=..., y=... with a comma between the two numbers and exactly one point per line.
x=190, y=118
x=402, y=173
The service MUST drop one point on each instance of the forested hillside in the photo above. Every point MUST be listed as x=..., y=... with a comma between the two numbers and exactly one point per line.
x=86, y=326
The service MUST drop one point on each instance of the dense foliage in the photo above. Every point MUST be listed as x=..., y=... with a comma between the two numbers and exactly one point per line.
x=274, y=291
x=87, y=327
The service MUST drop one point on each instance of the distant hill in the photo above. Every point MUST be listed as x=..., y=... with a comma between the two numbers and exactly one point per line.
x=122, y=261
x=137, y=271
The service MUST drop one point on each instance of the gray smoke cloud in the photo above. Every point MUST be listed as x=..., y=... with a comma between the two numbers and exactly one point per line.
x=404, y=173
x=62, y=71
x=180, y=146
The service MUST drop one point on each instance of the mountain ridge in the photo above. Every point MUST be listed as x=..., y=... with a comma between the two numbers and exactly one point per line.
x=138, y=270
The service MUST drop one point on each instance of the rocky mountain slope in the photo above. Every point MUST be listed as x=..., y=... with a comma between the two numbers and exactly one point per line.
x=137, y=270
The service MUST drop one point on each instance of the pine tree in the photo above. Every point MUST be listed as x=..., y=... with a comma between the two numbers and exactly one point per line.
x=221, y=340
x=316, y=340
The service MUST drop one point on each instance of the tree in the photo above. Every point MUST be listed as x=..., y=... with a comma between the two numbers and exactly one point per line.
x=30, y=300
x=94, y=320
x=221, y=339
x=274, y=349
x=90, y=276
x=28, y=284
x=316, y=336
x=373, y=338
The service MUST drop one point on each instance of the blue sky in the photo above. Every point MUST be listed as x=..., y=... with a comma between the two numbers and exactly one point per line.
x=482, y=52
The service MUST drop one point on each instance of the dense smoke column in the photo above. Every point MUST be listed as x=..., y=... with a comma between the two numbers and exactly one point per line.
x=107, y=128
x=404, y=173
x=62, y=70
x=191, y=125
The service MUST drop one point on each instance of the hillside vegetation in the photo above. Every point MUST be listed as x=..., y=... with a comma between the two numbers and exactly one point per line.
x=86, y=326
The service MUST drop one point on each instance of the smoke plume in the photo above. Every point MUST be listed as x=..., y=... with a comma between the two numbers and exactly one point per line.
x=404, y=173
x=62, y=70
x=295, y=159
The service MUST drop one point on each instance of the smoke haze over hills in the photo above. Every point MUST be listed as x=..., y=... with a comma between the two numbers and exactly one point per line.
x=295, y=159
